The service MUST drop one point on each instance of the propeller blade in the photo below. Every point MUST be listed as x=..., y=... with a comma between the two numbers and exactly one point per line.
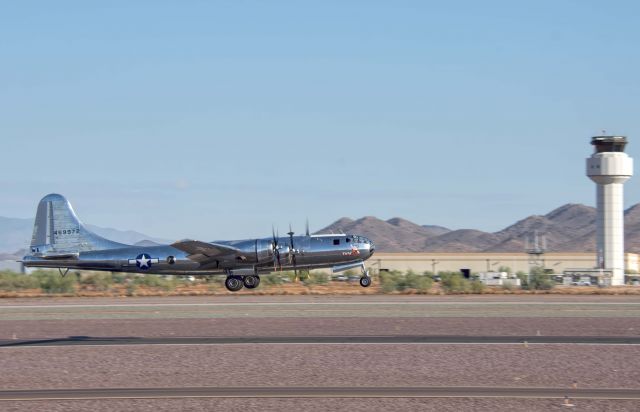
x=292, y=251
x=291, y=239
x=307, y=227
x=276, y=250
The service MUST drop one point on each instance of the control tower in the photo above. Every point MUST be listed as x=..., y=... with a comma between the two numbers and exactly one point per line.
x=610, y=167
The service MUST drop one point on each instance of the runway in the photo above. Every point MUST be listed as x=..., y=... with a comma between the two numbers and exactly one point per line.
x=323, y=340
x=319, y=353
x=319, y=392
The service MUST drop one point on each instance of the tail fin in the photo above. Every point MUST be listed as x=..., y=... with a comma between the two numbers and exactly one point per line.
x=57, y=230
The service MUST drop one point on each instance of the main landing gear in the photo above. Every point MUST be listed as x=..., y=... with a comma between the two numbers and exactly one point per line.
x=236, y=282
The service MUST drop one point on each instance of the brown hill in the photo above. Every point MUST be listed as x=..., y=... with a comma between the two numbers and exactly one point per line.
x=569, y=228
x=632, y=229
x=393, y=235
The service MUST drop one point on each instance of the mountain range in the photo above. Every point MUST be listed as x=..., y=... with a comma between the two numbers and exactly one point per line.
x=569, y=228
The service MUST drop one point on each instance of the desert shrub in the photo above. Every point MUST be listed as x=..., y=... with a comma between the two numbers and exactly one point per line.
x=541, y=282
x=320, y=278
x=397, y=281
x=53, y=282
x=390, y=281
x=131, y=289
x=120, y=277
x=538, y=280
x=477, y=286
x=284, y=276
x=524, y=280
x=10, y=281
x=454, y=282
x=154, y=281
x=99, y=281
x=421, y=283
x=216, y=282
x=271, y=279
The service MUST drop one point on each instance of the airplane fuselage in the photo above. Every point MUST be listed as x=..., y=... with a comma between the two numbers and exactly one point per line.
x=309, y=252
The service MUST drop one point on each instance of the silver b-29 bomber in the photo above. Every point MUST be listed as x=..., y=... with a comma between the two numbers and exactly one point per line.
x=61, y=241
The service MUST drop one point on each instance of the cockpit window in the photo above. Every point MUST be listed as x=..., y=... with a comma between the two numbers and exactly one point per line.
x=360, y=239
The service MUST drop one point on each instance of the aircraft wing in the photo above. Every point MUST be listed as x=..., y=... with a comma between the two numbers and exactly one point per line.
x=203, y=251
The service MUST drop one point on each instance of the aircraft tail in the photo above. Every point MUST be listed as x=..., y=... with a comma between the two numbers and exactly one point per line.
x=58, y=231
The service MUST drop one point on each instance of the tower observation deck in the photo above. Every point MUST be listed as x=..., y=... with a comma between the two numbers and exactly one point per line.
x=610, y=167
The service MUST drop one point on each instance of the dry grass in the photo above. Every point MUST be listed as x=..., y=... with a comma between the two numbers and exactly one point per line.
x=299, y=288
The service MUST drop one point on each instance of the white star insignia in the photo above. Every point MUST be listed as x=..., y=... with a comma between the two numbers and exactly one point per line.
x=143, y=261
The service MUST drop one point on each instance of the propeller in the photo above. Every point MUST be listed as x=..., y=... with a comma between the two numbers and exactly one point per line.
x=276, y=250
x=292, y=251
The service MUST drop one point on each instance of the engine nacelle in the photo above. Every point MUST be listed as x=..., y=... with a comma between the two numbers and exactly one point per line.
x=264, y=251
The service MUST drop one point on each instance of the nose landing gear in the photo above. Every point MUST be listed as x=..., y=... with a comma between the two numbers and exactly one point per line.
x=365, y=280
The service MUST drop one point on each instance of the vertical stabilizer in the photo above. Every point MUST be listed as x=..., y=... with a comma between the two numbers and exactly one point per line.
x=57, y=229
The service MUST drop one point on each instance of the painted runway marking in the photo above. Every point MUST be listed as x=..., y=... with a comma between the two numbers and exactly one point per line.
x=322, y=340
x=132, y=345
x=329, y=303
x=318, y=392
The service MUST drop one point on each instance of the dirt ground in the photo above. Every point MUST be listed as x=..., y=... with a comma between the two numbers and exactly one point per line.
x=299, y=288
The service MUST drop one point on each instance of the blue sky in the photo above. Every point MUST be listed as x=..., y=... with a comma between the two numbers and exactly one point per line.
x=218, y=119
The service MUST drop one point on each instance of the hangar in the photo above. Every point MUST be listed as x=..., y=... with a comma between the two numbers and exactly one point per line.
x=487, y=262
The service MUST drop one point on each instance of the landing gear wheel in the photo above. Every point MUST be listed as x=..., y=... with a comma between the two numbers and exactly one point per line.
x=251, y=282
x=234, y=283
x=365, y=281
